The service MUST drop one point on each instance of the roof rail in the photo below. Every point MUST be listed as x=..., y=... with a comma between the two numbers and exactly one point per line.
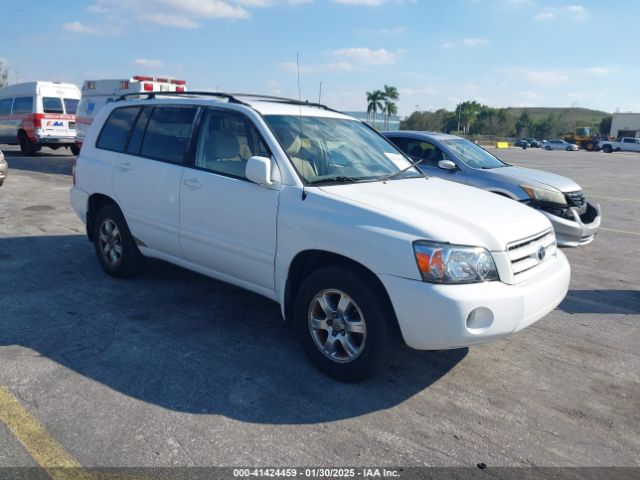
x=290, y=101
x=152, y=95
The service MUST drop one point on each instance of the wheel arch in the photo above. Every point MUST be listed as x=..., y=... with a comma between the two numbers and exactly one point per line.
x=94, y=204
x=308, y=261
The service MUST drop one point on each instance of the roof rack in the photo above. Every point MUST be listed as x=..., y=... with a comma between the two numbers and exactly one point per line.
x=290, y=101
x=152, y=95
x=231, y=97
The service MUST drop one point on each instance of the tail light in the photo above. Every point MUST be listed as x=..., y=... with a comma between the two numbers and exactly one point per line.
x=148, y=87
x=179, y=89
x=37, y=120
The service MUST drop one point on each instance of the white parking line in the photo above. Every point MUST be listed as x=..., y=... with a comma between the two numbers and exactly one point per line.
x=616, y=198
x=619, y=231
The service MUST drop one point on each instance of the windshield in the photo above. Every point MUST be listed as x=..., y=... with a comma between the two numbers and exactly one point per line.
x=325, y=150
x=472, y=155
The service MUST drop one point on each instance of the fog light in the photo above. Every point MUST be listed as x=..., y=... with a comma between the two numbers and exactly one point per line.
x=479, y=318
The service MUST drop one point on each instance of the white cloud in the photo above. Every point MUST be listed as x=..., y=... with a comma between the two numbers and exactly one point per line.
x=472, y=42
x=371, y=3
x=186, y=14
x=389, y=31
x=364, y=57
x=348, y=60
x=467, y=42
x=536, y=76
x=148, y=63
x=81, y=28
x=599, y=71
x=576, y=13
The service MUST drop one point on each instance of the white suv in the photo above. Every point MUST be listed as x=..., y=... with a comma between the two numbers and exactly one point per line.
x=318, y=212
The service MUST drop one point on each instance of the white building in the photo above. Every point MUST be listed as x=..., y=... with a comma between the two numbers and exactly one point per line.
x=625, y=125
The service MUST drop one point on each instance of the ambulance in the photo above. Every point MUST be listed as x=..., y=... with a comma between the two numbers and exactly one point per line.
x=39, y=114
x=97, y=93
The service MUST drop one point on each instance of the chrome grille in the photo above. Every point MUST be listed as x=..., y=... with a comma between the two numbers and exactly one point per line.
x=527, y=254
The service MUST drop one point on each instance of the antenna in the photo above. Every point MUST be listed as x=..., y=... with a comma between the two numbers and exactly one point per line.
x=320, y=93
x=304, y=192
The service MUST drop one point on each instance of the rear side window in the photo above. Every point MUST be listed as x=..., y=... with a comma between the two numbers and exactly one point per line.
x=71, y=105
x=168, y=132
x=116, y=129
x=23, y=105
x=52, y=105
x=5, y=106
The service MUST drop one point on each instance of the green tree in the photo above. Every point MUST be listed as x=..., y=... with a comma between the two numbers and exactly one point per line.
x=467, y=114
x=523, y=124
x=375, y=104
x=390, y=108
x=605, y=125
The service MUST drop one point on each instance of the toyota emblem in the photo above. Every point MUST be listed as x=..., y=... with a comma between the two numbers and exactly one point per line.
x=541, y=253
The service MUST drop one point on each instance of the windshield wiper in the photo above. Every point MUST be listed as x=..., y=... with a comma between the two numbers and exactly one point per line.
x=336, y=179
x=394, y=175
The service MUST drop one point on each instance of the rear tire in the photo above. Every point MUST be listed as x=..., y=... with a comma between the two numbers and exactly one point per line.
x=547, y=147
x=27, y=147
x=115, y=247
x=346, y=326
x=607, y=149
x=75, y=149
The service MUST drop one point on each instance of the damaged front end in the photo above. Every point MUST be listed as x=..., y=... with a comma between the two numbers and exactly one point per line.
x=575, y=222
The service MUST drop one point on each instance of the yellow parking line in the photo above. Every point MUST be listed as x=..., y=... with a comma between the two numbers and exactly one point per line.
x=49, y=454
x=619, y=231
x=45, y=451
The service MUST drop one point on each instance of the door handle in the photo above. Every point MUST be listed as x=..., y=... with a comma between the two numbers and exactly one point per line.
x=125, y=166
x=192, y=183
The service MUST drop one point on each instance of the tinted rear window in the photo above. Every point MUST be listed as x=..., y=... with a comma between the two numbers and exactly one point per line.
x=23, y=105
x=168, y=132
x=116, y=129
x=52, y=105
x=71, y=105
x=5, y=106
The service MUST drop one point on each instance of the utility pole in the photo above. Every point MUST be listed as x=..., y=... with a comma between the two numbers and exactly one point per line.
x=320, y=93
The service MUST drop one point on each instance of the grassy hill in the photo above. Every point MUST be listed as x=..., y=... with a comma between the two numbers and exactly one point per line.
x=569, y=116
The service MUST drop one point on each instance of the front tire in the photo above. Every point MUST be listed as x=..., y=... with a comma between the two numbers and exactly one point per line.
x=115, y=247
x=607, y=149
x=547, y=147
x=346, y=326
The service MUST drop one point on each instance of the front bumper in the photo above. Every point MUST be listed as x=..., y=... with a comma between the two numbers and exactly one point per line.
x=438, y=317
x=578, y=230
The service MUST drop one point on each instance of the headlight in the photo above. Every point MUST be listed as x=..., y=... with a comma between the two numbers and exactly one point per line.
x=542, y=195
x=444, y=263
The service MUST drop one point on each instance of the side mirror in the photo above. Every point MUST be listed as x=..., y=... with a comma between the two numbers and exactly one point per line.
x=258, y=170
x=447, y=165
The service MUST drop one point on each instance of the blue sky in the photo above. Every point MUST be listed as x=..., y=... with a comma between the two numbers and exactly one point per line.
x=499, y=52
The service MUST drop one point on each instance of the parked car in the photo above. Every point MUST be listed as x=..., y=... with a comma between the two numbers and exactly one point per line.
x=625, y=144
x=320, y=213
x=574, y=220
x=4, y=168
x=521, y=142
x=39, y=114
x=533, y=143
x=560, y=145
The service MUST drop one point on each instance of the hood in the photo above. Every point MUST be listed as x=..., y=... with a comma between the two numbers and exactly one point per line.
x=535, y=178
x=443, y=211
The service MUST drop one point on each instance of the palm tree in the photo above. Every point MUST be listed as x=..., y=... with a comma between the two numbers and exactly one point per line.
x=390, y=108
x=374, y=100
